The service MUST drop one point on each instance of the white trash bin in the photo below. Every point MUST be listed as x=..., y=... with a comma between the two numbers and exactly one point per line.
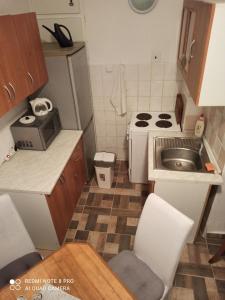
x=104, y=167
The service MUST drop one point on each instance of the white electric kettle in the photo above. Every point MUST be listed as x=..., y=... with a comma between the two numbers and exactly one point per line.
x=41, y=106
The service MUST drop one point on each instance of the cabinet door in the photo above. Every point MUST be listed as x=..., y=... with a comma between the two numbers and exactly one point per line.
x=14, y=86
x=194, y=40
x=57, y=203
x=71, y=188
x=78, y=169
x=30, y=46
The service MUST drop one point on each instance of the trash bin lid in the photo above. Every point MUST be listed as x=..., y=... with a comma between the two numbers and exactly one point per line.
x=105, y=157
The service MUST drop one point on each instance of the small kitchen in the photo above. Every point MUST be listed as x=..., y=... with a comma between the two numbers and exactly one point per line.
x=103, y=106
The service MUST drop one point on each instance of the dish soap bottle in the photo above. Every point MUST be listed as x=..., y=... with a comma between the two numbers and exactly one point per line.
x=200, y=126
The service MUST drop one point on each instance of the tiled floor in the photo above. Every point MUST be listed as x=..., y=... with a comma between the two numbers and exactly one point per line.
x=108, y=218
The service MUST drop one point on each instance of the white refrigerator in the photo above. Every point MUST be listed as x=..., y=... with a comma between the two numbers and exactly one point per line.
x=69, y=89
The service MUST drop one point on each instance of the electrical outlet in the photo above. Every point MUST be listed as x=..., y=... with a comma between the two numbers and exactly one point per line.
x=156, y=56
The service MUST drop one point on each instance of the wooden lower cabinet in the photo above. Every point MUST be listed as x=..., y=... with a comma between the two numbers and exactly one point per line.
x=67, y=191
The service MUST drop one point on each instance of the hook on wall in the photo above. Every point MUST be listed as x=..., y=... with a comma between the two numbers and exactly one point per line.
x=71, y=3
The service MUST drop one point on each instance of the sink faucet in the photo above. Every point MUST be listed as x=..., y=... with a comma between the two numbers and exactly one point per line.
x=201, y=148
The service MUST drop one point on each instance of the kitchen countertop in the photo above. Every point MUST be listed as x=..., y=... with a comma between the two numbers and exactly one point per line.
x=38, y=171
x=155, y=174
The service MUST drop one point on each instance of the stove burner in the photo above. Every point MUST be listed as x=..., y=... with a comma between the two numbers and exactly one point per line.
x=144, y=116
x=141, y=124
x=163, y=124
x=165, y=116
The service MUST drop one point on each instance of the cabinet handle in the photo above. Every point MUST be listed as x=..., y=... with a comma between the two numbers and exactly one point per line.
x=191, y=46
x=8, y=92
x=62, y=179
x=75, y=175
x=14, y=91
x=31, y=77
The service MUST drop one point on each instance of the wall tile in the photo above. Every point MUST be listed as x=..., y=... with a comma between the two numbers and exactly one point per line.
x=110, y=117
x=108, y=85
x=122, y=154
x=216, y=147
x=170, y=88
x=110, y=141
x=99, y=116
x=107, y=105
x=121, y=130
x=121, y=142
x=121, y=120
x=96, y=72
x=143, y=103
x=144, y=88
x=132, y=88
x=131, y=72
x=168, y=103
x=170, y=71
x=144, y=72
x=97, y=88
x=157, y=71
x=100, y=143
x=98, y=104
x=156, y=104
x=100, y=128
x=156, y=88
x=131, y=104
x=110, y=130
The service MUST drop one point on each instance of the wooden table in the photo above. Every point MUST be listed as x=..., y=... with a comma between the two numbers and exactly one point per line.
x=88, y=276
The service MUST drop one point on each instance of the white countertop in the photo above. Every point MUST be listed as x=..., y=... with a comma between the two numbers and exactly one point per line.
x=154, y=174
x=38, y=171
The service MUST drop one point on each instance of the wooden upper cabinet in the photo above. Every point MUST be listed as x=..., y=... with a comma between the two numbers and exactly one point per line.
x=201, y=51
x=30, y=46
x=14, y=86
x=22, y=64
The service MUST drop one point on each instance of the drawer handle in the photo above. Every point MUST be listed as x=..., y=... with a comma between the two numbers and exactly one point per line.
x=31, y=77
x=8, y=92
x=13, y=89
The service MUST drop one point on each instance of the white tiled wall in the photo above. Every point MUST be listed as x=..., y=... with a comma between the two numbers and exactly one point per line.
x=150, y=87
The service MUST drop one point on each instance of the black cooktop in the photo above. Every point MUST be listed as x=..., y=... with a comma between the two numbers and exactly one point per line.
x=163, y=124
x=144, y=116
x=141, y=124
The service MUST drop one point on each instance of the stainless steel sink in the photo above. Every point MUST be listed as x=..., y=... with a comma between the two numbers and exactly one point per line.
x=180, y=154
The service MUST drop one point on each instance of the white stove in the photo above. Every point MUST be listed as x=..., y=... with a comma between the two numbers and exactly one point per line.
x=139, y=127
x=145, y=121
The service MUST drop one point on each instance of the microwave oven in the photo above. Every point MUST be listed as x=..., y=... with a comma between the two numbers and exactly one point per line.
x=36, y=133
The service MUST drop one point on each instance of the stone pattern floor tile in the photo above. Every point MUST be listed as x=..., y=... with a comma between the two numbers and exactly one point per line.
x=108, y=219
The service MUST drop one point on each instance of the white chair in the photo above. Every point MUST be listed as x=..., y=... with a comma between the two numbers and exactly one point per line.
x=17, y=253
x=149, y=270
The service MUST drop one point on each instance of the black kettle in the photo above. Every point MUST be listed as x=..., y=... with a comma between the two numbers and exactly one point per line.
x=60, y=36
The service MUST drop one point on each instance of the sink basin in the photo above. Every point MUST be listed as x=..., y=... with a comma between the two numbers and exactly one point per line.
x=180, y=154
x=181, y=159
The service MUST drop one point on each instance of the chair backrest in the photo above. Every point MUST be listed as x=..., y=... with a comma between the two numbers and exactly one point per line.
x=161, y=234
x=14, y=238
